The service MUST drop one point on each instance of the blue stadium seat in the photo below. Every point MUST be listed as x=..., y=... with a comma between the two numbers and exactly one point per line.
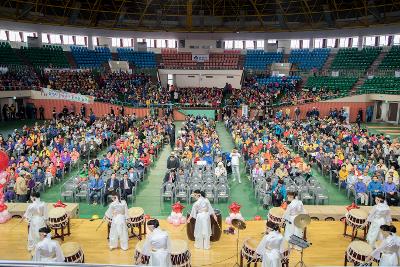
x=140, y=59
x=259, y=59
x=307, y=60
x=86, y=58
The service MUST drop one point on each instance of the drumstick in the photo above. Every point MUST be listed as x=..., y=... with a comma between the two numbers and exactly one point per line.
x=102, y=221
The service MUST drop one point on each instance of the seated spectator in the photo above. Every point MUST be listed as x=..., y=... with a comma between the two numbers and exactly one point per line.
x=96, y=185
x=105, y=163
x=278, y=193
x=126, y=187
x=133, y=176
x=257, y=172
x=393, y=174
x=361, y=191
x=208, y=159
x=182, y=176
x=172, y=161
x=21, y=189
x=111, y=187
x=343, y=174
x=220, y=170
x=170, y=176
x=375, y=187
x=281, y=172
x=389, y=188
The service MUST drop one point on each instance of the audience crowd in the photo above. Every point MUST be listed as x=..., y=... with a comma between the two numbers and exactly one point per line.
x=19, y=78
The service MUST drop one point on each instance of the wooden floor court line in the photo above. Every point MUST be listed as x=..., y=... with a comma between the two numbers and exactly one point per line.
x=328, y=243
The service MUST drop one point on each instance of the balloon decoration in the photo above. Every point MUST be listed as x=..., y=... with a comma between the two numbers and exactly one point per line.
x=234, y=213
x=284, y=205
x=59, y=204
x=257, y=218
x=4, y=214
x=176, y=218
x=3, y=160
x=147, y=217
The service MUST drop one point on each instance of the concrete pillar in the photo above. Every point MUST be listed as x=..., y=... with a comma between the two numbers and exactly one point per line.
x=90, y=41
x=360, y=42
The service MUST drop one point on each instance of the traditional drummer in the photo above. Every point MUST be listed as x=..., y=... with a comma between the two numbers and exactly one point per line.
x=294, y=208
x=157, y=245
x=201, y=211
x=271, y=246
x=47, y=250
x=378, y=215
x=118, y=213
x=36, y=215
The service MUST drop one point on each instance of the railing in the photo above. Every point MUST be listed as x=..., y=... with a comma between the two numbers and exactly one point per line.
x=58, y=264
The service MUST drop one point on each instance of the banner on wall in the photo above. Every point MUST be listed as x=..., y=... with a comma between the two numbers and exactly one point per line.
x=200, y=58
x=61, y=95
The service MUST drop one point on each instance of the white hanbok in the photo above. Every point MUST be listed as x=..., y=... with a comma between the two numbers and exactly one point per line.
x=293, y=209
x=48, y=250
x=118, y=211
x=378, y=215
x=388, y=251
x=158, y=247
x=36, y=215
x=271, y=249
x=201, y=211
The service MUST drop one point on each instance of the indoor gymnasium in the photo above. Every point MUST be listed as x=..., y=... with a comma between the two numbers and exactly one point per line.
x=199, y=133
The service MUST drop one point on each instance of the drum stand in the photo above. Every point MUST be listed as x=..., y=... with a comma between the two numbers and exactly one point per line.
x=354, y=231
x=301, y=243
x=301, y=262
x=237, y=250
x=63, y=233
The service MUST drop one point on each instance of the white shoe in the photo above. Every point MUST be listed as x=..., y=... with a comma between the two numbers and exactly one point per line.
x=234, y=180
x=240, y=182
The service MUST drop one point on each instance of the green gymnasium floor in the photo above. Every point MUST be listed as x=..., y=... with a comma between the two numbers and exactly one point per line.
x=387, y=129
x=148, y=195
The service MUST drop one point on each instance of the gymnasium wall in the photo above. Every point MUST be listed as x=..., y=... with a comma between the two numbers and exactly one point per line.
x=202, y=78
x=100, y=109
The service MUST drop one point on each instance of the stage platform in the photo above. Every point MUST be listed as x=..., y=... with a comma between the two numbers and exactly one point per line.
x=336, y=213
x=328, y=243
x=18, y=209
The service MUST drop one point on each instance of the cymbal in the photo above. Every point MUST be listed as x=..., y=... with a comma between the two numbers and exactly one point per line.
x=239, y=224
x=302, y=220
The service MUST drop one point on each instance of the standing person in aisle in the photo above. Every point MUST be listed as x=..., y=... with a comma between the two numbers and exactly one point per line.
x=235, y=156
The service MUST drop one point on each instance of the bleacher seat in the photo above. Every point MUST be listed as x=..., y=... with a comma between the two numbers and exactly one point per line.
x=86, y=58
x=137, y=58
x=47, y=56
x=392, y=59
x=307, y=60
x=341, y=84
x=276, y=79
x=382, y=85
x=7, y=55
x=354, y=59
x=259, y=59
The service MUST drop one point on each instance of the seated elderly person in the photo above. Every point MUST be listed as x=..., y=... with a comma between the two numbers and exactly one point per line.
x=220, y=170
x=257, y=172
x=281, y=171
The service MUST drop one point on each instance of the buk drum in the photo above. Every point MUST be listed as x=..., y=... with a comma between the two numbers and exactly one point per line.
x=180, y=255
x=356, y=217
x=58, y=218
x=358, y=251
x=215, y=228
x=136, y=217
x=249, y=248
x=275, y=215
x=72, y=252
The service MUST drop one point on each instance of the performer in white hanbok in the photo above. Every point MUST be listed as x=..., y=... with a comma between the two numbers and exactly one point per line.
x=201, y=211
x=36, y=216
x=118, y=212
x=271, y=247
x=388, y=251
x=157, y=245
x=47, y=250
x=378, y=215
x=294, y=208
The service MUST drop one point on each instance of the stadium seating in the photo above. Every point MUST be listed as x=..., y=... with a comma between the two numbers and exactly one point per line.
x=276, y=79
x=342, y=84
x=307, y=60
x=47, y=56
x=86, y=58
x=226, y=60
x=352, y=58
x=172, y=59
x=259, y=59
x=7, y=55
x=388, y=85
x=392, y=59
x=139, y=59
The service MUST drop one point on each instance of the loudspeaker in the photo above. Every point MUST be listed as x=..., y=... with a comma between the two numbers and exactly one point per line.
x=219, y=44
x=181, y=43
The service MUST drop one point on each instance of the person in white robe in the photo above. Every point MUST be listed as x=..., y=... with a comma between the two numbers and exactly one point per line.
x=36, y=216
x=378, y=215
x=294, y=208
x=157, y=245
x=388, y=251
x=118, y=212
x=271, y=247
x=47, y=250
x=201, y=211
